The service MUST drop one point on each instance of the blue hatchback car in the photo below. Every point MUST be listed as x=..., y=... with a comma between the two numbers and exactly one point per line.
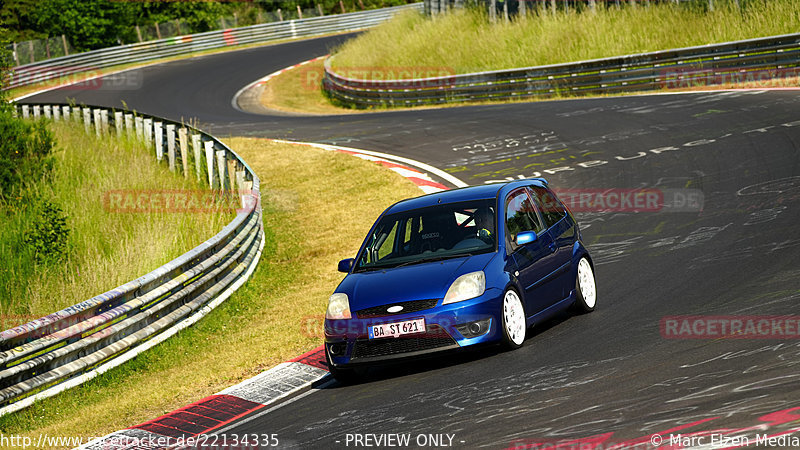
x=457, y=268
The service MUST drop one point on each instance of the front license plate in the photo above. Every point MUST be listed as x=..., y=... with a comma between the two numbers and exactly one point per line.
x=397, y=329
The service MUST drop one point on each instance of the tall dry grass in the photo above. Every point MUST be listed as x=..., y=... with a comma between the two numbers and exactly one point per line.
x=465, y=41
x=107, y=248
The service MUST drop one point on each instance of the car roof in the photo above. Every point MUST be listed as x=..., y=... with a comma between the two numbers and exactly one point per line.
x=479, y=192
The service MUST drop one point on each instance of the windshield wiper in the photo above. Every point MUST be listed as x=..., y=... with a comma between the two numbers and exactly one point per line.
x=434, y=258
x=414, y=261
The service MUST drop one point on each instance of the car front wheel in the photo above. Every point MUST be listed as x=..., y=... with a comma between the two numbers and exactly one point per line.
x=585, y=288
x=513, y=320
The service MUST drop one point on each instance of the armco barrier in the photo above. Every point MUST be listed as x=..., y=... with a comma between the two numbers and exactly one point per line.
x=754, y=60
x=152, y=50
x=46, y=356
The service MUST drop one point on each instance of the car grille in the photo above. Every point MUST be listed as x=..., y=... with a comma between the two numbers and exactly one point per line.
x=435, y=337
x=408, y=307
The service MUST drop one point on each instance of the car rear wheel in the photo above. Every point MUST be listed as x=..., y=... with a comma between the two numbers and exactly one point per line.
x=513, y=320
x=585, y=288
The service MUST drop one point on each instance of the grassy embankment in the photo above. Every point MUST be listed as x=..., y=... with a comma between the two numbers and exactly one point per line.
x=277, y=315
x=104, y=248
x=465, y=41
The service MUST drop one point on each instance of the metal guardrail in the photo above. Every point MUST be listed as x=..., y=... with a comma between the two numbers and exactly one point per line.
x=149, y=51
x=754, y=60
x=50, y=354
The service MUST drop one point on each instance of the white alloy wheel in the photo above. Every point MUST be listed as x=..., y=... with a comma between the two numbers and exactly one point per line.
x=587, y=290
x=513, y=319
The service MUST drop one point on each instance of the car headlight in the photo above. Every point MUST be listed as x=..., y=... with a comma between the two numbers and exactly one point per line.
x=338, y=307
x=465, y=287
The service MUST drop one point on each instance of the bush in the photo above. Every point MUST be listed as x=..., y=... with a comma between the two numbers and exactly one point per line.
x=25, y=153
x=47, y=235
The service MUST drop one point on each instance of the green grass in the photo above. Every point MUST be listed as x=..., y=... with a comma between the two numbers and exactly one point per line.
x=275, y=316
x=107, y=248
x=298, y=90
x=465, y=41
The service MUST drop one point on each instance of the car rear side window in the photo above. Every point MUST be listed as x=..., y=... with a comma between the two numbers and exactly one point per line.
x=520, y=216
x=551, y=208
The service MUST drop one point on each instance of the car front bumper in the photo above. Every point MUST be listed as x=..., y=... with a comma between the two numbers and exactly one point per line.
x=448, y=327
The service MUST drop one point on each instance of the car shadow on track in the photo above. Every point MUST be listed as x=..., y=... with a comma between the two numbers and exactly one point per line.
x=438, y=361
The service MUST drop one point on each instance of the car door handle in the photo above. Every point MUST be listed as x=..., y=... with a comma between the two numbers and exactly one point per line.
x=552, y=247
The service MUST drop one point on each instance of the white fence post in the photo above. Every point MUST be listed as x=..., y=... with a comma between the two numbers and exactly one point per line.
x=231, y=175
x=129, y=124
x=26, y=113
x=209, y=147
x=104, y=120
x=36, y=111
x=221, y=168
x=148, y=131
x=139, y=128
x=118, y=122
x=159, y=133
x=97, y=122
x=171, y=146
x=87, y=119
x=56, y=113
x=47, y=112
x=240, y=186
x=198, y=157
x=184, y=145
x=65, y=113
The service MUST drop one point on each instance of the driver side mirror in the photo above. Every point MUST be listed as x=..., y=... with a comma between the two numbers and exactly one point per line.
x=346, y=264
x=525, y=237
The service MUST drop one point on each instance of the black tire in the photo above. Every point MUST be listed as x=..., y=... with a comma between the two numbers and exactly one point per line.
x=513, y=322
x=585, y=287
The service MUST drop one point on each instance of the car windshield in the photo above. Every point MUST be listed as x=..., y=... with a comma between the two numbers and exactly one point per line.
x=431, y=234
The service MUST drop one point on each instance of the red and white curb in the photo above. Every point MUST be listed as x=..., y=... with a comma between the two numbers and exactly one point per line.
x=191, y=425
x=415, y=171
x=264, y=80
x=187, y=425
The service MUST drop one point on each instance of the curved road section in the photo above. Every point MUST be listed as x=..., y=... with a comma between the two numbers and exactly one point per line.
x=648, y=367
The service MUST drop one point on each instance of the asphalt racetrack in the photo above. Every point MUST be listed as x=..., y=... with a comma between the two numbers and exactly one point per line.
x=615, y=376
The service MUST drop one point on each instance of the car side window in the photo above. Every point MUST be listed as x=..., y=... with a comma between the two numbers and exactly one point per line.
x=520, y=216
x=381, y=245
x=551, y=208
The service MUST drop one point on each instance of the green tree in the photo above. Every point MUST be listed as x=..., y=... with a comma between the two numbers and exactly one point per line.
x=18, y=20
x=93, y=24
x=89, y=24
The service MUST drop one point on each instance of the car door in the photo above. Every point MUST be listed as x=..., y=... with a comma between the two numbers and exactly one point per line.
x=532, y=261
x=561, y=231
